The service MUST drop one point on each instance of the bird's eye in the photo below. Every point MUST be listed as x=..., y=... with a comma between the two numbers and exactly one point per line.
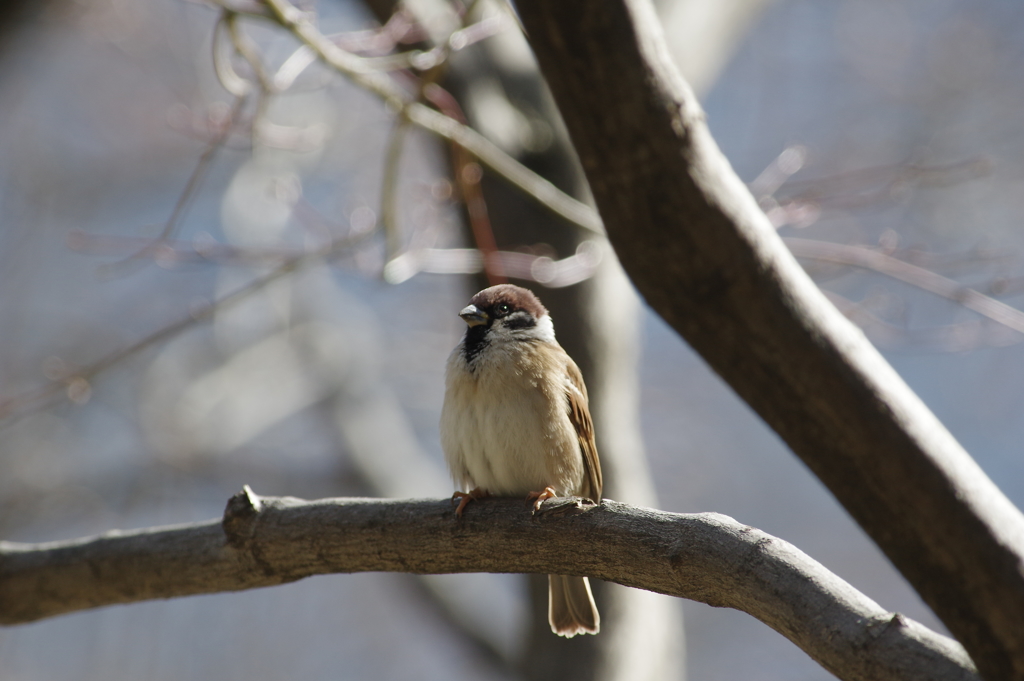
x=502, y=309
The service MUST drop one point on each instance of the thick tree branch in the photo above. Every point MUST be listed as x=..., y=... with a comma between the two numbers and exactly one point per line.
x=273, y=540
x=706, y=258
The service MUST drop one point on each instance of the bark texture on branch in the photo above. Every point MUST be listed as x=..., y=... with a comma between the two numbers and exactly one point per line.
x=273, y=540
x=706, y=258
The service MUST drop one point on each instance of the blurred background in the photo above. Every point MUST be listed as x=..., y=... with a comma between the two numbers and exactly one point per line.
x=884, y=139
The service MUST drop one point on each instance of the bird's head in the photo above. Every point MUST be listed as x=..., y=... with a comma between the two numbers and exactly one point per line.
x=506, y=312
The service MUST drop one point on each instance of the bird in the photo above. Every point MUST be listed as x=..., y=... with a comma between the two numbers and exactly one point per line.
x=516, y=421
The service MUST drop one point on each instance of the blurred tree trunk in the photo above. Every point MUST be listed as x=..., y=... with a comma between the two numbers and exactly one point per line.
x=499, y=88
x=15, y=15
x=598, y=321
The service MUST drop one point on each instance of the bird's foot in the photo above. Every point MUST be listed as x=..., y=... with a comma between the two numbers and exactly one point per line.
x=541, y=497
x=466, y=497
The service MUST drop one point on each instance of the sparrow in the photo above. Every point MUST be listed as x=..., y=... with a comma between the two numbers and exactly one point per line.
x=516, y=421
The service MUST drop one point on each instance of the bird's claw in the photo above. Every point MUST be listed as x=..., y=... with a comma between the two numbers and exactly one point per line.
x=539, y=498
x=466, y=497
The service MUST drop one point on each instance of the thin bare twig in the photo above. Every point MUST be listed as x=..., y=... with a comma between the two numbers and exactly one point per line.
x=238, y=87
x=881, y=181
x=969, y=335
x=77, y=382
x=125, y=266
x=389, y=188
x=802, y=201
x=871, y=259
x=468, y=176
x=366, y=76
x=225, y=71
x=526, y=266
x=202, y=250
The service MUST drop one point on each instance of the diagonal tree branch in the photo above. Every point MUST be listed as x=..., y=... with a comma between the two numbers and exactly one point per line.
x=273, y=540
x=706, y=258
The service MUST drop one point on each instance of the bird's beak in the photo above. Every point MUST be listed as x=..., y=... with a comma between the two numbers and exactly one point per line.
x=473, y=315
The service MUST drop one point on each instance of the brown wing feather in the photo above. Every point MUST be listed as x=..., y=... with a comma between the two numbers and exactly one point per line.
x=579, y=414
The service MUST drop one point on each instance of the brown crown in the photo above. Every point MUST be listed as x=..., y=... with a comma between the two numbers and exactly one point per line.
x=516, y=297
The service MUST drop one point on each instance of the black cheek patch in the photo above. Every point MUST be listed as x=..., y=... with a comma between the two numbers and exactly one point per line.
x=520, y=321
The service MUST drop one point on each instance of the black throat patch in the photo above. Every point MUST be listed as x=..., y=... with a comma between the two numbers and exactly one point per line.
x=476, y=341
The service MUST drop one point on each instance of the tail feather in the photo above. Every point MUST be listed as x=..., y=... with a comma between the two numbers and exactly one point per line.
x=571, y=607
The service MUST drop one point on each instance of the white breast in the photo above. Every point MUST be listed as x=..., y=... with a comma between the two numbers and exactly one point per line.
x=505, y=426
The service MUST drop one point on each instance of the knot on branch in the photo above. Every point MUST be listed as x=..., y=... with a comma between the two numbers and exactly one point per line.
x=880, y=626
x=562, y=506
x=239, y=520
